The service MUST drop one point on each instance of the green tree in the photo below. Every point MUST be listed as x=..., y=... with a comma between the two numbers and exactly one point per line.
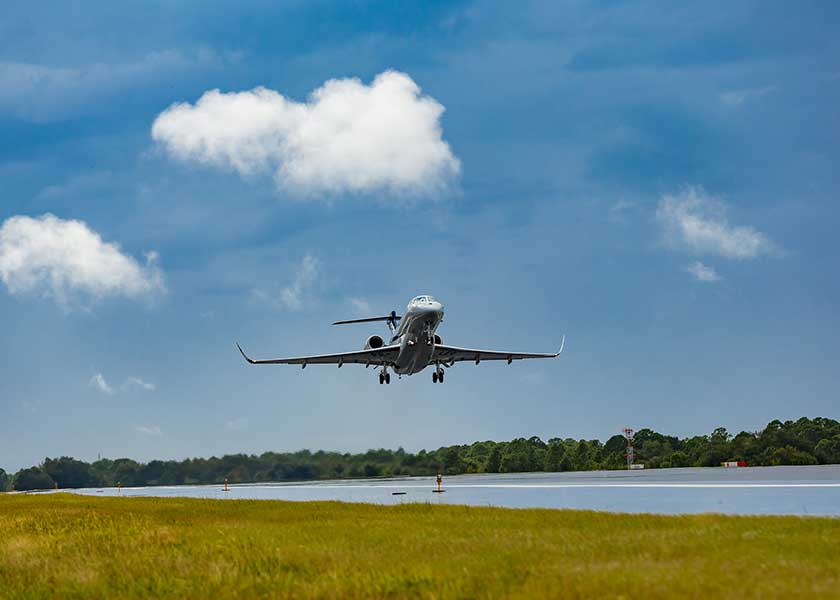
x=617, y=443
x=451, y=459
x=370, y=470
x=68, y=472
x=791, y=456
x=517, y=457
x=554, y=455
x=744, y=446
x=580, y=457
x=128, y=473
x=679, y=459
x=494, y=460
x=103, y=470
x=33, y=478
x=4, y=481
x=827, y=451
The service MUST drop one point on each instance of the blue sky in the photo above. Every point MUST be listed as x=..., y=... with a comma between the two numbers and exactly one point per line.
x=656, y=181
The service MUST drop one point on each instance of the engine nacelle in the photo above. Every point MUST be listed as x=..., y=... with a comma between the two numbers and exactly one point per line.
x=438, y=341
x=374, y=342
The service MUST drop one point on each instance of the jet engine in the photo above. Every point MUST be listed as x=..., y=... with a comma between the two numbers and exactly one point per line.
x=438, y=341
x=374, y=342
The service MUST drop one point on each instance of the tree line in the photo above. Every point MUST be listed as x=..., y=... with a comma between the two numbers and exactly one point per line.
x=802, y=442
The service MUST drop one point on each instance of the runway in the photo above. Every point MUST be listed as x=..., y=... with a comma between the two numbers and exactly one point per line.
x=806, y=490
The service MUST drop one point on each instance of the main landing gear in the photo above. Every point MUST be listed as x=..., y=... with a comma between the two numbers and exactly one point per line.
x=384, y=377
x=437, y=375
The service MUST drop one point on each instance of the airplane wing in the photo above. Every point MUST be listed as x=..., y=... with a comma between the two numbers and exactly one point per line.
x=375, y=356
x=453, y=354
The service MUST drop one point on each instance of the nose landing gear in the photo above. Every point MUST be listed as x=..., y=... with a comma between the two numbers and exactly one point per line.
x=430, y=337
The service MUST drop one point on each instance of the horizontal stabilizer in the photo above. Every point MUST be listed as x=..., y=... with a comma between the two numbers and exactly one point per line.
x=392, y=317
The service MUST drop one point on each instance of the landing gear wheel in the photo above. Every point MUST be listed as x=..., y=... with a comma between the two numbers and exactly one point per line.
x=388, y=378
x=381, y=379
x=440, y=377
x=434, y=377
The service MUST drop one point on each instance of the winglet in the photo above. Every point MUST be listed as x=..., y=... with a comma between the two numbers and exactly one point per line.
x=242, y=352
x=562, y=344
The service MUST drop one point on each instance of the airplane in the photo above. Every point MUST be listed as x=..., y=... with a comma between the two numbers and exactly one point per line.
x=414, y=346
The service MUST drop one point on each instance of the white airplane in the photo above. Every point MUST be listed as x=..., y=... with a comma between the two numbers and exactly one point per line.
x=414, y=346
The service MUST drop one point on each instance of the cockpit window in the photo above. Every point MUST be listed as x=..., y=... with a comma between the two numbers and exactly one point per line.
x=422, y=300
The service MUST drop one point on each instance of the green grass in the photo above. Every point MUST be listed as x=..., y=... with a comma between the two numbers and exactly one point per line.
x=69, y=546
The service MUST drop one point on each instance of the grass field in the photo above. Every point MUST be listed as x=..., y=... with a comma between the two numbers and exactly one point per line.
x=68, y=546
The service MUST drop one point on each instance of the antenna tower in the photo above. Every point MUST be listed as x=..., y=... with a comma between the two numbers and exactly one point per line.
x=628, y=434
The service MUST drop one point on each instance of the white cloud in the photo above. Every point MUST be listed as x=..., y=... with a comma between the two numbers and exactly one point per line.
x=619, y=209
x=237, y=424
x=77, y=184
x=695, y=221
x=293, y=296
x=360, y=306
x=66, y=260
x=149, y=430
x=143, y=385
x=735, y=98
x=348, y=136
x=99, y=382
x=703, y=272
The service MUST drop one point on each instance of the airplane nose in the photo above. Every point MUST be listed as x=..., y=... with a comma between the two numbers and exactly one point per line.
x=433, y=307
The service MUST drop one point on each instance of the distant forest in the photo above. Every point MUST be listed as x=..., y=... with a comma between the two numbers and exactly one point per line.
x=802, y=442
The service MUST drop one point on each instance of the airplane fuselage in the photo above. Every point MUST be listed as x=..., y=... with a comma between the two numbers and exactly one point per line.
x=416, y=335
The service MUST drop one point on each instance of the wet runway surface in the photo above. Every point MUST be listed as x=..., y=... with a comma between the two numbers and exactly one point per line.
x=811, y=490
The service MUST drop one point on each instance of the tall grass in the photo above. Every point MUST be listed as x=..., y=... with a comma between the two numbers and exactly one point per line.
x=67, y=546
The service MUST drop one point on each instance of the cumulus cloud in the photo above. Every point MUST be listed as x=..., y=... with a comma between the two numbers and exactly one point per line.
x=348, y=136
x=99, y=382
x=703, y=272
x=696, y=221
x=67, y=260
x=153, y=430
